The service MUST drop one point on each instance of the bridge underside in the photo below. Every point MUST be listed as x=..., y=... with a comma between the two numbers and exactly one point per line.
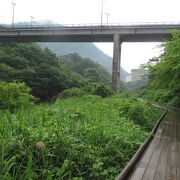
x=87, y=38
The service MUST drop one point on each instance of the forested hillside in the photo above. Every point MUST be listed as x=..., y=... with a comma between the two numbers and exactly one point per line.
x=164, y=78
x=44, y=72
x=86, y=50
x=87, y=68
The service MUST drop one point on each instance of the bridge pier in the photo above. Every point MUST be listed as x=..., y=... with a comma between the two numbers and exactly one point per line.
x=116, y=64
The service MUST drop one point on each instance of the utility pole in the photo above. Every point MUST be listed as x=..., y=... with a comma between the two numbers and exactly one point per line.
x=31, y=17
x=107, y=14
x=102, y=6
x=13, y=4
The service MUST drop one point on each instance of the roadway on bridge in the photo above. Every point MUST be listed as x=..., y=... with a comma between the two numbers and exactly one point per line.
x=128, y=33
x=161, y=160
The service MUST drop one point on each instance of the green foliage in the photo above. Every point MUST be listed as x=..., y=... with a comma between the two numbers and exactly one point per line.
x=98, y=89
x=73, y=92
x=87, y=68
x=77, y=138
x=164, y=84
x=140, y=113
x=47, y=75
x=39, y=68
x=14, y=95
x=85, y=50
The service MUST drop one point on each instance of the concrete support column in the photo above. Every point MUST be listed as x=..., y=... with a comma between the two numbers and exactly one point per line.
x=116, y=64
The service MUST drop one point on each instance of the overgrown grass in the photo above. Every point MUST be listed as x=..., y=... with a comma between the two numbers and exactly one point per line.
x=77, y=138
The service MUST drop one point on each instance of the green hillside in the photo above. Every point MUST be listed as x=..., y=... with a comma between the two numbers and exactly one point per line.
x=87, y=68
x=86, y=50
x=44, y=72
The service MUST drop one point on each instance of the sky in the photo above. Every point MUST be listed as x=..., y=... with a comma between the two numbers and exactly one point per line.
x=89, y=12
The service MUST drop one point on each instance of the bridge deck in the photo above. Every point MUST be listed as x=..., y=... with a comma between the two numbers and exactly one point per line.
x=128, y=33
x=161, y=160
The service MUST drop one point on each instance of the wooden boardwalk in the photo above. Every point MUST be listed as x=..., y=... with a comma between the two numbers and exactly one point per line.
x=161, y=160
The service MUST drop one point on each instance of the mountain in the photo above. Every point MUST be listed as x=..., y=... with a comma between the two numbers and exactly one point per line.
x=85, y=50
x=26, y=24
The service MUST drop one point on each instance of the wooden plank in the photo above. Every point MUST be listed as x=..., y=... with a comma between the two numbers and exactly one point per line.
x=161, y=167
x=127, y=171
x=151, y=168
x=161, y=161
x=160, y=130
x=168, y=131
x=141, y=167
x=171, y=159
x=138, y=174
x=178, y=150
x=162, y=133
x=178, y=161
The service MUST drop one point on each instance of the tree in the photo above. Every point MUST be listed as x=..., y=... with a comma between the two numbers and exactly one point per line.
x=165, y=74
x=87, y=68
x=39, y=68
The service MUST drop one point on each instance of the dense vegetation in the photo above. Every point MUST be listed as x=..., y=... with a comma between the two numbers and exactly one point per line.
x=14, y=95
x=87, y=68
x=43, y=71
x=98, y=89
x=85, y=50
x=75, y=138
x=164, y=85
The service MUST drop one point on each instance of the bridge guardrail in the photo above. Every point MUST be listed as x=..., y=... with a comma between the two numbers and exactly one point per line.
x=88, y=25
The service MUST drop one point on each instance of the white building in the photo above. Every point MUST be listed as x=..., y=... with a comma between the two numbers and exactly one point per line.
x=136, y=74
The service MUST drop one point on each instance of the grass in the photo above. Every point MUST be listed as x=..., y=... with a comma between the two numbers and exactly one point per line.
x=76, y=138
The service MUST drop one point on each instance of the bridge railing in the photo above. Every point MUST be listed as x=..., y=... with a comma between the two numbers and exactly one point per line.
x=123, y=24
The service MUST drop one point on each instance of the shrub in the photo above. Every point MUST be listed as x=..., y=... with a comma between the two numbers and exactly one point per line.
x=73, y=92
x=14, y=95
x=98, y=89
x=91, y=97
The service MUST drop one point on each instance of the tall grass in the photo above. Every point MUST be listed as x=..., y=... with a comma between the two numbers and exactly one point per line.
x=77, y=138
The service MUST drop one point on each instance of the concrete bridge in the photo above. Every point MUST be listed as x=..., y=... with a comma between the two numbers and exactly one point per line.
x=156, y=32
